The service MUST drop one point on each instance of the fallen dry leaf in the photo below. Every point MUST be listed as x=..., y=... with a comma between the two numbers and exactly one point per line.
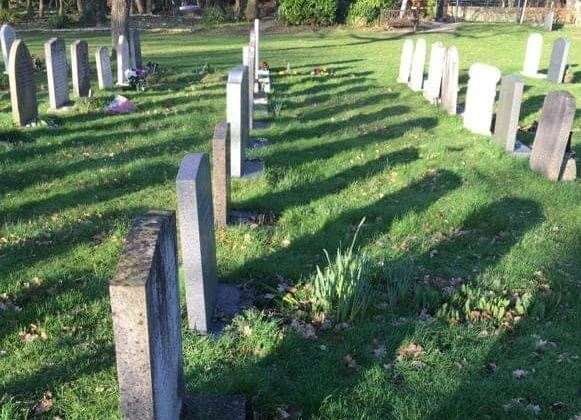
x=304, y=329
x=43, y=405
x=32, y=333
x=410, y=352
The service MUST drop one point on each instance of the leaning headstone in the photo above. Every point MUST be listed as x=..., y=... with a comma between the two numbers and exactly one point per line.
x=196, y=227
x=450, y=81
x=123, y=61
x=552, y=139
x=135, y=49
x=57, y=73
x=480, y=97
x=507, y=116
x=22, y=84
x=558, y=63
x=418, y=62
x=405, y=64
x=7, y=37
x=221, y=173
x=80, y=68
x=433, y=84
x=104, y=72
x=248, y=61
x=237, y=117
x=257, y=45
x=549, y=20
x=533, y=56
x=145, y=306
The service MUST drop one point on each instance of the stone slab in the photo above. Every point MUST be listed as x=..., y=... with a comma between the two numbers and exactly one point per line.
x=248, y=61
x=533, y=53
x=450, y=81
x=405, y=64
x=221, y=173
x=81, y=71
x=136, y=60
x=123, y=61
x=237, y=117
x=508, y=112
x=104, y=71
x=433, y=84
x=22, y=85
x=418, y=63
x=7, y=38
x=57, y=73
x=480, y=97
x=559, y=59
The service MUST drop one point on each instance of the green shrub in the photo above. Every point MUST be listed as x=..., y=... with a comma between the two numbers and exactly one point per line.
x=59, y=22
x=365, y=12
x=8, y=16
x=213, y=16
x=308, y=12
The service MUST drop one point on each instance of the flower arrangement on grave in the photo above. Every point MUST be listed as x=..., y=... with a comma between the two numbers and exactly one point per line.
x=321, y=71
x=140, y=79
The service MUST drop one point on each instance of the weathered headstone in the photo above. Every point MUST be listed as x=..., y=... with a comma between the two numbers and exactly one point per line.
x=533, y=56
x=123, y=61
x=7, y=37
x=237, y=117
x=450, y=81
x=254, y=81
x=80, y=68
x=549, y=20
x=433, y=84
x=418, y=62
x=405, y=64
x=558, y=63
x=480, y=97
x=145, y=305
x=248, y=61
x=507, y=115
x=257, y=45
x=57, y=72
x=196, y=227
x=221, y=173
x=22, y=84
x=135, y=49
x=552, y=139
x=104, y=72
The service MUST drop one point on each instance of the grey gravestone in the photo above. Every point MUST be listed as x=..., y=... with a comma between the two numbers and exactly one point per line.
x=433, y=84
x=480, y=97
x=57, y=72
x=7, y=37
x=104, y=72
x=237, y=117
x=549, y=154
x=507, y=115
x=257, y=45
x=221, y=173
x=135, y=49
x=80, y=68
x=450, y=81
x=145, y=305
x=123, y=59
x=533, y=56
x=248, y=61
x=405, y=64
x=558, y=63
x=196, y=226
x=22, y=84
x=418, y=62
x=549, y=20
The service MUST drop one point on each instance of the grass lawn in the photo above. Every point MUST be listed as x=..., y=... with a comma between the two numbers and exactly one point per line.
x=442, y=207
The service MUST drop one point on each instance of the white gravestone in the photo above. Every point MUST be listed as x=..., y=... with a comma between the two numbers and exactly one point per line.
x=405, y=64
x=122, y=61
x=257, y=45
x=237, y=117
x=480, y=97
x=7, y=37
x=558, y=63
x=248, y=61
x=104, y=72
x=433, y=84
x=418, y=62
x=450, y=81
x=533, y=56
x=57, y=73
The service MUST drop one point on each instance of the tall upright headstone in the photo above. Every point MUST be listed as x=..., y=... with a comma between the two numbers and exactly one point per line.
x=196, y=227
x=123, y=61
x=549, y=20
x=418, y=62
x=480, y=97
x=558, y=63
x=433, y=84
x=248, y=61
x=237, y=117
x=508, y=112
x=405, y=64
x=22, y=84
x=80, y=68
x=145, y=306
x=57, y=73
x=135, y=48
x=533, y=55
x=257, y=45
x=221, y=173
x=450, y=81
x=7, y=37
x=553, y=136
x=104, y=72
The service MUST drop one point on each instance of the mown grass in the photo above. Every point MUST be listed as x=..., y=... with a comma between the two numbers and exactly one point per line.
x=439, y=203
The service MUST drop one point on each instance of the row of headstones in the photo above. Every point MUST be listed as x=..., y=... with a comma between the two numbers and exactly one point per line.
x=145, y=290
x=551, y=153
x=20, y=68
x=557, y=63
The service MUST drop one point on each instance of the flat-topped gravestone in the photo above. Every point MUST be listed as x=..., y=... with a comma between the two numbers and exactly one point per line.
x=433, y=84
x=558, y=63
x=405, y=64
x=418, y=62
x=256, y=45
x=450, y=81
x=552, y=139
x=22, y=85
x=57, y=73
x=237, y=117
x=145, y=306
x=248, y=61
x=507, y=115
x=80, y=68
x=196, y=226
x=135, y=49
x=480, y=97
x=123, y=61
x=7, y=37
x=533, y=56
x=221, y=173
x=104, y=72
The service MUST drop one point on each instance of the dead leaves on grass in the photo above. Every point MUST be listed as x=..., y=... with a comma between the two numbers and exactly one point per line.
x=43, y=405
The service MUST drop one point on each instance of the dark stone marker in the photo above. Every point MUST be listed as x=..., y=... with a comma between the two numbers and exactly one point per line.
x=22, y=85
x=135, y=48
x=145, y=304
x=508, y=112
x=559, y=58
x=553, y=135
x=80, y=68
x=57, y=73
x=221, y=173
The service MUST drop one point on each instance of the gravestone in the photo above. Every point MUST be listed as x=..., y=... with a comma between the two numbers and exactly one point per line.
x=196, y=227
x=248, y=61
x=480, y=97
x=7, y=37
x=552, y=140
x=257, y=45
x=104, y=72
x=433, y=84
x=145, y=306
x=221, y=173
x=80, y=68
x=418, y=62
x=135, y=49
x=533, y=56
x=57, y=73
x=507, y=115
x=22, y=84
x=549, y=20
x=558, y=63
x=237, y=117
x=123, y=61
x=405, y=64
x=450, y=81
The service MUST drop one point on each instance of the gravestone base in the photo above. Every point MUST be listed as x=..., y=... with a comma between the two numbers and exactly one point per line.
x=570, y=169
x=521, y=150
x=252, y=169
x=207, y=406
x=258, y=143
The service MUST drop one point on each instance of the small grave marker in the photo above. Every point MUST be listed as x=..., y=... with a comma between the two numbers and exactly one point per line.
x=80, y=68
x=507, y=116
x=57, y=72
x=104, y=72
x=559, y=58
x=22, y=85
x=480, y=97
x=450, y=81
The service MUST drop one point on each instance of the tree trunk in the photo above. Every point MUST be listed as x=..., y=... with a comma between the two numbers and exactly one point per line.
x=81, y=7
x=61, y=8
x=119, y=20
x=40, y=8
